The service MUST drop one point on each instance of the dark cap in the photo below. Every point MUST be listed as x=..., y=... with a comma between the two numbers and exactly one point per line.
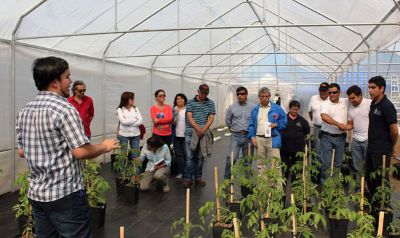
x=204, y=89
x=324, y=86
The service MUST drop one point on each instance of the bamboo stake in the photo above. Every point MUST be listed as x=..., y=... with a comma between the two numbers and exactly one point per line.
x=305, y=181
x=293, y=216
x=383, y=179
x=332, y=161
x=362, y=195
x=231, y=196
x=236, y=227
x=380, y=225
x=262, y=224
x=121, y=232
x=187, y=205
x=248, y=151
x=217, y=194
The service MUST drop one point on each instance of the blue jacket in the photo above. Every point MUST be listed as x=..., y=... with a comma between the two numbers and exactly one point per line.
x=277, y=116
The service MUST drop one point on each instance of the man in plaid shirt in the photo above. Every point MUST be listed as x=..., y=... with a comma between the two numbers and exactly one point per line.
x=51, y=137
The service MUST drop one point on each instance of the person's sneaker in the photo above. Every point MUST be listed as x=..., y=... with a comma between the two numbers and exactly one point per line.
x=186, y=183
x=165, y=188
x=200, y=182
x=179, y=176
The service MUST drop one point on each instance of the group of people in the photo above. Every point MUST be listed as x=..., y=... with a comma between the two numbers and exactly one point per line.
x=53, y=134
x=185, y=125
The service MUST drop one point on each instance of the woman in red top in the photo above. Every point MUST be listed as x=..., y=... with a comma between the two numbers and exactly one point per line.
x=161, y=115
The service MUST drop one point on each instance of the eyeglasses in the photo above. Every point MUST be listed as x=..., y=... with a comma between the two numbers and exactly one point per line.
x=335, y=92
x=238, y=94
x=161, y=95
x=82, y=90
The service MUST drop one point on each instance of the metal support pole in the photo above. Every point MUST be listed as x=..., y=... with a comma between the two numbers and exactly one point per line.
x=116, y=15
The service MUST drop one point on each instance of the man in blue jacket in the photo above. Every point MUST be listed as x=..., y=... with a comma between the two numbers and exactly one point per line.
x=267, y=121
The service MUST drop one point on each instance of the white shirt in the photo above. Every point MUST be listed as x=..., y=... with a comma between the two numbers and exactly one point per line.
x=337, y=111
x=130, y=120
x=315, y=107
x=180, y=122
x=359, y=116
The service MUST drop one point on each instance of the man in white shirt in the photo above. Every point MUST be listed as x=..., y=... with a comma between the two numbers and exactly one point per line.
x=333, y=135
x=358, y=120
x=314, y=111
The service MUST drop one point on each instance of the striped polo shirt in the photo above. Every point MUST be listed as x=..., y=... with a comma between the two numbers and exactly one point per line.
x=200, y=112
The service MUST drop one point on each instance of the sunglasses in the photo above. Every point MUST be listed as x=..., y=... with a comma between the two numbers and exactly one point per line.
x=161, y=95
x=335, y=92
x=82, y=90
x=238, y=94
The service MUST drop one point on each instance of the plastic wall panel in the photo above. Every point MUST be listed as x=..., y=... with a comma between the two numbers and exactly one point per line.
x=6, y=176
x=5, y=97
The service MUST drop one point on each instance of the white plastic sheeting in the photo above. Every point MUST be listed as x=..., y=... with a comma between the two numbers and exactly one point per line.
x=141, y=46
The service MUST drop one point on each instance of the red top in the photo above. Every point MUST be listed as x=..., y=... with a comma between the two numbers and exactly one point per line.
x=163, y=126
x=86, y=111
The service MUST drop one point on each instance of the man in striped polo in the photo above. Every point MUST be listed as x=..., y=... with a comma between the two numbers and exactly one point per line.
x=200, y=113
x=52, y=138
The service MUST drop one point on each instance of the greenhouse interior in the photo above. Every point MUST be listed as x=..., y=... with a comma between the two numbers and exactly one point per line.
x=225, y=61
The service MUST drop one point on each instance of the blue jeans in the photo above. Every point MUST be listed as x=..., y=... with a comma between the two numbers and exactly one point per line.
x=66, y=217
x=359, y=153
x=238, y=142
x=180, y=155
x=194, y=161
x=134, y=142
x=328, y=143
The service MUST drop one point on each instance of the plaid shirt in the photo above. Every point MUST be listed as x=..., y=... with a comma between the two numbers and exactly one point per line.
x=48, y=129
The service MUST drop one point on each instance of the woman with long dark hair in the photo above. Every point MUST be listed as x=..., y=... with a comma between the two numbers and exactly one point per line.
x=161, y=115
x=179, y=125
x=158, y=164
x=129, y=121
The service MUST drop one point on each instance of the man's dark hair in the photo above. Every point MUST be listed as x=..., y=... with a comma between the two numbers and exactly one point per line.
x=378, y=81
x=182, y=96
x=334, y=85
x=155, y=143
x=294, y=103
x=46, y=70
x=241, y=88
x=354, y=89
x=76, y=84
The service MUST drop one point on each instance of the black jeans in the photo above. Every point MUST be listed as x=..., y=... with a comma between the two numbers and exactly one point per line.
x=374, y=162
x=179, y=147
x=289, y=158
x=67, y=217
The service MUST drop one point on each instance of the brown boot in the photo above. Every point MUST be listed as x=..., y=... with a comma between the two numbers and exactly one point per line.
x=200, y=182
x=186, y=183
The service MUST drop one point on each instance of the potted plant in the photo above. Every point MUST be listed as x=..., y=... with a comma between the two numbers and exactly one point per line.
x=243, y=172
x=181, y=229
x=128, y=180
x=96, y=188
x=232, y=204
x=221, y=223
x=382, y=198
x=337, y=203
x=23, y=209
x=265, y=205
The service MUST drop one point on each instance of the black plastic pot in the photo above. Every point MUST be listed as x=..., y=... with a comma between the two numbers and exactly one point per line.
x=119, y=184
x=131, y=193
x=387, y=219
x=98, y=216
x=245, y=191
x=269, y=221
x=234, y=207
x=338, y=228
x=394, y=235
x=21, y=223
x=113, y=159
x=218, y=230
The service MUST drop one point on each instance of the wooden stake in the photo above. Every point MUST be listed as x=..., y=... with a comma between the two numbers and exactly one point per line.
x=383, y=179
x=248, y=151
x=217, y=194
x=293, y=215
x=380, y=225
x=332, y=161
x=231, y=196
x=262, y=224
x=305, y=183
x=362, y=195
x=121, y=232
x=306, y=152
x=187, y=205
x=236, y=227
